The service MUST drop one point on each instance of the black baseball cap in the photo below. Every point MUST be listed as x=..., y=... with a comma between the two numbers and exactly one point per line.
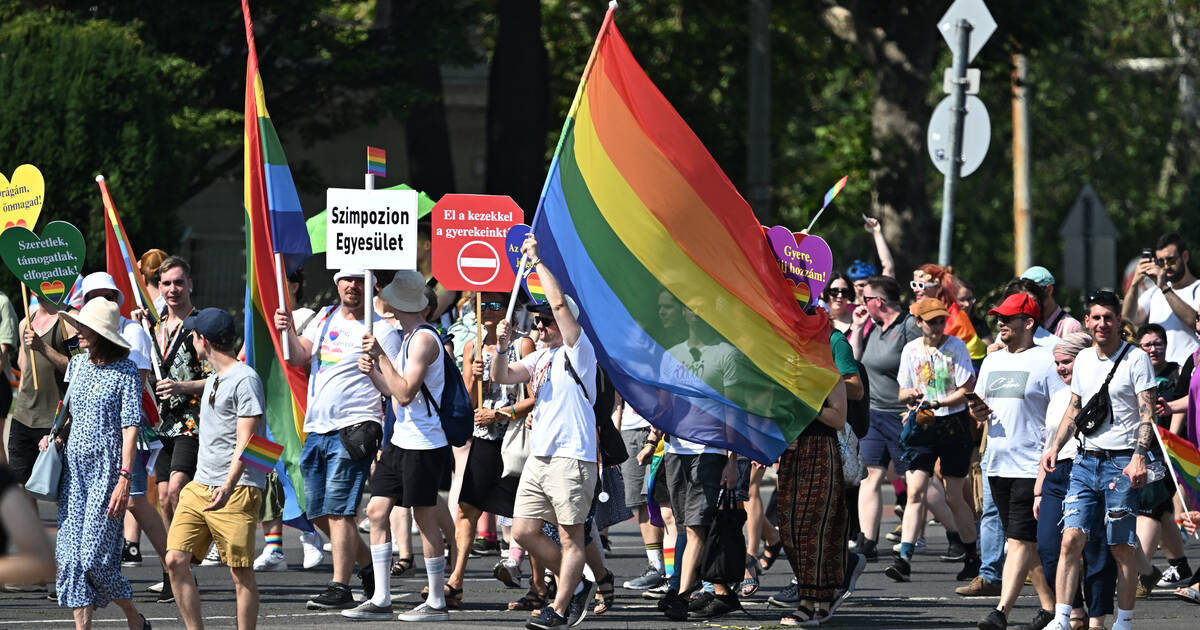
x=214, y=324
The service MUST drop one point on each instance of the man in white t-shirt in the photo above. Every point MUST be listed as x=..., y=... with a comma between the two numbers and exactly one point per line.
x=559, y=480
x=1014, y=386
x=1172, y=302
x=412, y=464
x=343, y=403
x=1110, y=469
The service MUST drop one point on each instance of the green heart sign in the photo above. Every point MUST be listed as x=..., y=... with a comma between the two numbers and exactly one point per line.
x=47, y=264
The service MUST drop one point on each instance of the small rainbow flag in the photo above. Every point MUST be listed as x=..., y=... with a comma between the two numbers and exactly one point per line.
x=1185, y=459
x=376, y=162
x=261, y=453
x=833, y=192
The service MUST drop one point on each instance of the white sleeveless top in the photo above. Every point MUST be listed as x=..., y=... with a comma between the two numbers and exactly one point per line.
x=419, y=428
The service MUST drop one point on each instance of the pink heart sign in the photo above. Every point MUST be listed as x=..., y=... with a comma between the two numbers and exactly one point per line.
x=805, y=260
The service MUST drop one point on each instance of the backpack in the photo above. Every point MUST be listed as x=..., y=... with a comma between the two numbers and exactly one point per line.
x=455, y=409
x=609, y=441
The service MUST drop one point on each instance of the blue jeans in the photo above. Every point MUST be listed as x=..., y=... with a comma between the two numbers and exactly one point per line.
x=333, y=482
x=991, y=537
x=1098, y=488
x=1099, y=568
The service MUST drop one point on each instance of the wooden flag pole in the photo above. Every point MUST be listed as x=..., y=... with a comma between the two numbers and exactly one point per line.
x=29, y=326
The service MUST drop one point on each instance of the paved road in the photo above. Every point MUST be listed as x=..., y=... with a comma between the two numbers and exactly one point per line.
x=927, y=602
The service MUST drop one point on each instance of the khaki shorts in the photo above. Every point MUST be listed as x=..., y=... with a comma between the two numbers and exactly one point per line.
x=557, y=490
x=273, y=498
x=231, y=527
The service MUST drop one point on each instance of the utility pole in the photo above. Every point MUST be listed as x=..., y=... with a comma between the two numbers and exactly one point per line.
x=959, y=109
x=758, y=140
x=1022, y=186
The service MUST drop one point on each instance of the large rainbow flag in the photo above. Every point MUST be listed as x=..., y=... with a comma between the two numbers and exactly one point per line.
x=1185, y=459
x=274, y=224
x=680, y=293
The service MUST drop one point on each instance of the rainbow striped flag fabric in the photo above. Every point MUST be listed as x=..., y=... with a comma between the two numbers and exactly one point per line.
x=680, y=293
x=119, y=259
x=261, y=453
x=376, y=162
x=1185, y=459
x=274, y=224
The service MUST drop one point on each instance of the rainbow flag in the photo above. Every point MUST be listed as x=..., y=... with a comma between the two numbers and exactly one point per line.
x=376, y=162
x=119, y=259
x=1185, y=459
x=274, y=223
x=261, y=453
x=641, y=226
x=833, y=192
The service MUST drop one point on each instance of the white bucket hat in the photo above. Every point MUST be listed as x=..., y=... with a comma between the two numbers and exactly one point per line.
x=406, y=292
x=102, y=316
x=100, y=281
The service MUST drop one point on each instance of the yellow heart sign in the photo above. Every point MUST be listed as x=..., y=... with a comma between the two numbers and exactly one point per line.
x=21, y=199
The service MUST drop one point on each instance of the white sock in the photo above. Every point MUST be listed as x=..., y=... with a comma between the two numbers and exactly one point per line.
x=1124, y=615
x=381, y=557
x=435, y=569
x=655, y=556
x=1062, y=614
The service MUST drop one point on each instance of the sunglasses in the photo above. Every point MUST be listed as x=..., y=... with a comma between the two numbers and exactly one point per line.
x=846, y=293
x=212, y=396
x=918, y=286
x=492, y=306
x=1169, y=261
x=1008, y=319
x=867, y=298
x=544, y=321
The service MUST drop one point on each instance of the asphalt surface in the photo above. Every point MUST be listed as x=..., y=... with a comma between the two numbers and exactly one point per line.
x=927, y=602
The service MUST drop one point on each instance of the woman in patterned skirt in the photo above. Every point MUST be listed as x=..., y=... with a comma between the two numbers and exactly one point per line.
x=812, y=511
x=105, y=410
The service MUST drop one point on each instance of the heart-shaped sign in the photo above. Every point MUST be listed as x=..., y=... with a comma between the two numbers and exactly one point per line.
x=21, y=199
x=47, y=264
x=805, y=260
x=512, y=248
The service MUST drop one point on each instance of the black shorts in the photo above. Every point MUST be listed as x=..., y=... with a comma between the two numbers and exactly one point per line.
x=23, y=448
x=695, y=482
x=1158, y=498
x=949, y=439
x=410, y=477
x=1014, y=502
x=178, y=454
x=483, y=485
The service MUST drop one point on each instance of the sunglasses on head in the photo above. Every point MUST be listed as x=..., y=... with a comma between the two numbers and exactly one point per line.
x=1103, y=296
x=846, y=293
x=492, y=306
x=918, y=286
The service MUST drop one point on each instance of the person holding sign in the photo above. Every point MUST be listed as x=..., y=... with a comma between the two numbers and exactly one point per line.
x=51, y=340
x=222, y=503
x=417, y=455
x=560, y=475
x=344, y=426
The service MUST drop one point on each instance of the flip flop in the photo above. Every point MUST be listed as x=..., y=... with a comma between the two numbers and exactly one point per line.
x=1189, y=594
x=801, y=616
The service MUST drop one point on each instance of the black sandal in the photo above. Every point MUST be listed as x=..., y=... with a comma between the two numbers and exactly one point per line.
x=453, y=595
x=402, y=566
x=750, y=585
x=767, y=560
x=605, y=595
x=531, y=601
x=803, y=614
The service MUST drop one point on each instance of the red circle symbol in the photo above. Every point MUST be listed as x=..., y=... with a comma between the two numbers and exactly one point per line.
x=479, y=262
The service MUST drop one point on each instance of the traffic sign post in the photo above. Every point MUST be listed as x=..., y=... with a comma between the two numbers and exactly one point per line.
x=966, y=26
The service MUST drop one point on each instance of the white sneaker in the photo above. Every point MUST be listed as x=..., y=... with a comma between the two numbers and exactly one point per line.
x=1058, y=625
x=364, y=526
x=424, y=613
x=213, y=559
x=327, y=546
x=919, y=547
x=311, y=543
x=155, y=588
x=1123, y=625
x=270, y=561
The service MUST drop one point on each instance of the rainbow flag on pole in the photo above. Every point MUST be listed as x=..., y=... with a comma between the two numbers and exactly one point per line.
x=119, y=258
x=376, y=162
x=261, y=453
x=680, y=294
x=274, y=223
x=1185, y=460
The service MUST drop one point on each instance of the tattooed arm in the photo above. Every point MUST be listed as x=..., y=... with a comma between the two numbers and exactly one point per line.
x=1136, y=470
x=1066, y=429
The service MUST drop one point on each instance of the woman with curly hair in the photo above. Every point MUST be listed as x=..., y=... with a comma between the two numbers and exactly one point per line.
x=930, y=280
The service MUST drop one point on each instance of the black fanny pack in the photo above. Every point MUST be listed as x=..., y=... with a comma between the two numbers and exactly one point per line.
x=1098, y=410
x=361, y=440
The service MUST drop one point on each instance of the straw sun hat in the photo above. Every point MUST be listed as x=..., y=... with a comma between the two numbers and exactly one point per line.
x=102, y=316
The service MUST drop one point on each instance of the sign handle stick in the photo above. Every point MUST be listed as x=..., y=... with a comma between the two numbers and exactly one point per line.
x=512, y=299
x=479, y=341
x=284, y=335
x=137, y=298
x=369, y=276
x=29, y=326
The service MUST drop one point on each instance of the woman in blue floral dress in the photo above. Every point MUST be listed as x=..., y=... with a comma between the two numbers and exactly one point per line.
x=105, y=409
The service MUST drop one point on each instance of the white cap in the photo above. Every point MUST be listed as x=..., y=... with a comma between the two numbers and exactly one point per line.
x=100, y=281
x=349, y=273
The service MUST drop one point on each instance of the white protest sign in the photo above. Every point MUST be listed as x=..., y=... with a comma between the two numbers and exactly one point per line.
x=371, y=229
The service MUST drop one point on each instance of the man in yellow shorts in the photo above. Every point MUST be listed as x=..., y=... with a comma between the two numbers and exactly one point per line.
x=221, y=503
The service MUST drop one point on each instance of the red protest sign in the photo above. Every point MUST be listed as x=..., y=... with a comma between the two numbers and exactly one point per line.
x=468, y=241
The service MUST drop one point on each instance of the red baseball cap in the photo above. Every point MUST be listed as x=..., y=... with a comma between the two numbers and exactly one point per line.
x=1018, y=304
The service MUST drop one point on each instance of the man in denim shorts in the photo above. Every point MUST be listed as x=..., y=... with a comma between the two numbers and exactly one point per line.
x=1110, y=469
x=341, y=400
